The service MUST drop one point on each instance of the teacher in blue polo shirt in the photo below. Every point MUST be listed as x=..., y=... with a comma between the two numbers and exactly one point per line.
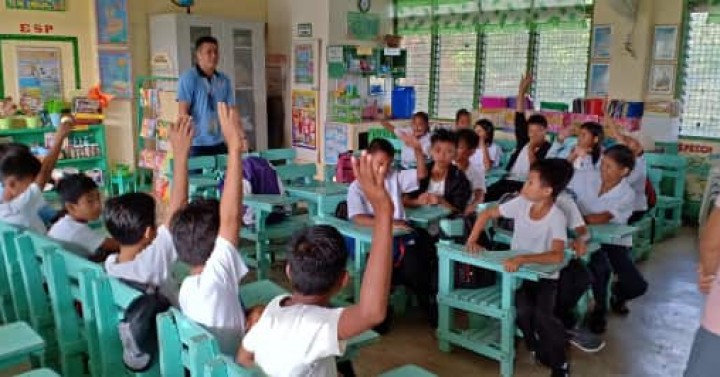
x=199, y=91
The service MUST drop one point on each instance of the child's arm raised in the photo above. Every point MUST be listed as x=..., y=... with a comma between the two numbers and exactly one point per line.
x=388, y=126
x=483, y=218
x=413, y=142
x=231, y=201
x=181, y=135
x=372, y=305
x=48, y=163
x=709, y=252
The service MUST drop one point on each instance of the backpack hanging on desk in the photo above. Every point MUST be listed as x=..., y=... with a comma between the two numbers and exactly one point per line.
x=344, y=170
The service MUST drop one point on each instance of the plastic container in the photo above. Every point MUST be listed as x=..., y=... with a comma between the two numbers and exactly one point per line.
x=55, y=119
x=403, y=102
x=635, y=109
x=32, y=122
x=595, y=106
x=554, y=106
x=489, y=103
x=511, y=102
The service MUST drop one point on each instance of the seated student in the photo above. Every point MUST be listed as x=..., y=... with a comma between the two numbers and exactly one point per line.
x=420, y=130
x=611, y=200
x=467, y=147
x=543, y=237
x=445, y=184
x=206, y=237
x=463, y=119
x=638, y=177
x=301, y=334
x=81, y=199
x=23, y=178
x=531, y=146
x=147, y=253
x=488, y=154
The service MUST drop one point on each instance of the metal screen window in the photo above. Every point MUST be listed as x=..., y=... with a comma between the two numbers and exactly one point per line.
x=456, y=79
x=505, y=56
x=561, y=64
x=701, y=86
x=419, y=63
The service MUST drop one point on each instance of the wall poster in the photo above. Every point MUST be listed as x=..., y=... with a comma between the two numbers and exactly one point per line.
x=39, y=75
x=305, y=60
x=115, y=72
x=47, y=5
x=336, y=141
x=304, y=118
x=112, y=21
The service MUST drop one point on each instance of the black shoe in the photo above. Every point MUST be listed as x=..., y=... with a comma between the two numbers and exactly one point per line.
x=564, y=371
x=619, y=306
x=345, y=368
x=597, y=323
x=384, y=327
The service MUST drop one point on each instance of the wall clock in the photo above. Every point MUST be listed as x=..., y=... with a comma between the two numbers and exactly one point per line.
x=364, y=5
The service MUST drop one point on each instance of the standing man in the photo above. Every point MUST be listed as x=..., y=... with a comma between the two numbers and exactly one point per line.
x=199, y=90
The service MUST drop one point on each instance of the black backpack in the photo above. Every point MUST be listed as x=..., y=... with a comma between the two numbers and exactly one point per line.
x=138, y=329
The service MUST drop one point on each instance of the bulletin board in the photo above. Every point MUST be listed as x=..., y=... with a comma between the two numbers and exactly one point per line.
x=57, y=55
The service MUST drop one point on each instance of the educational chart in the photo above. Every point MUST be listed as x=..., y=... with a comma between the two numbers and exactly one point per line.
x=112, y=21
x=304, y=118
x=304, y=64
x=53, y=5
x=115, y=73
x=39, y=75
x=336, y=140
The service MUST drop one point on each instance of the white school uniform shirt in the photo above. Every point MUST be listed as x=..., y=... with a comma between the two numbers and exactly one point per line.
x=534, y=236
x=407, y=154
x=436, y=187
x=478, y=158
x=151, y=266
x=76, y=235
x=570, y=209
x=211, y=298
x=636, y=180
x=23, y=210
x=397, y=183
x=296, y=340
x=619, y=202
x=476, y=175
x=521, y=168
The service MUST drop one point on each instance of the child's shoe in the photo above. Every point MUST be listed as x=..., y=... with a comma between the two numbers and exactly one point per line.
x=563, y=371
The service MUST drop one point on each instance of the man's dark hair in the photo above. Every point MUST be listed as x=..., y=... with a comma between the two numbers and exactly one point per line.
x=423, y=116
x=203, y=40
x=194, y=230
x=18, y=162
x=461, y=113
x=128, y=216
x=469, y=137
x=489, y=130
x=622, y=155
x=317, y=260
x=554, y=173
x=538, y=119
x=72, y=187
x=444, y=136
x=381, y=145
x=6, y=147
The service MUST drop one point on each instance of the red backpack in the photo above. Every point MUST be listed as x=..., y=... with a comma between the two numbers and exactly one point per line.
x=344, y=170
x=650, y=194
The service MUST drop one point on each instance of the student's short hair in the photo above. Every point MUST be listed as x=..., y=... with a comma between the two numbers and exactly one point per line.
x=18, y=162
x=7, y=147
x=554, y=173
x=203, y=40
x=422, y=116
x=381, y=145
x=469, y=137
x=489, y=130
x=128, y=216
x=622, y=155
x=194, y=230
x=442, y=135
x=461, y=113
x=538, y=119
x=317, y=260
x=72, y=187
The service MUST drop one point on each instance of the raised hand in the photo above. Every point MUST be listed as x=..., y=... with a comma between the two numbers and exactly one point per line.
x=370, y=174
x=181, y=135
x=231, y=128
x=525, y=83
x=411, y=141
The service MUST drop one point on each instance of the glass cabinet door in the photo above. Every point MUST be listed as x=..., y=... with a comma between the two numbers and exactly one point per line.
x=242, y=44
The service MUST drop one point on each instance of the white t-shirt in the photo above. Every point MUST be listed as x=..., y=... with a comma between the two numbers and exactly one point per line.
x=476, y=176
x=570, y=209
x=618, y=201
x=23, y=210
x=211, y=299
x=407, y=154
x=534, y=236
x=436, y=187
x=152, y=266
x=397, y=183
x=296, y=340
x=636, y=180
x=521, y=168
x=478, y=158
x=78, y=236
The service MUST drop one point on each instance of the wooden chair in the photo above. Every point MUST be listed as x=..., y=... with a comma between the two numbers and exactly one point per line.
x=15, y=300
x=279, y=156
x=410, y=370
x=296, y=174
x=224, y=367
x=44, y=372
x=20, y=344
x=7, y=304
x=670, y=192
x=203, y=180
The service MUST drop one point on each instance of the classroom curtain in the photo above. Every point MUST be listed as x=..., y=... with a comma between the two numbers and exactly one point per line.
x=457, y=16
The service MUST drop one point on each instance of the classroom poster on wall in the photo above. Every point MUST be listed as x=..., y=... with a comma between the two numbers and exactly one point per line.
x=336, y=141
x=304, y=118
x=115, y=72
x=39, y=75
x=304, y=64
x=47, y=5
x=112, y=21
x=701, y=156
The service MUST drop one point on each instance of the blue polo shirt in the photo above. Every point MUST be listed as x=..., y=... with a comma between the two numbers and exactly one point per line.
x=203, y=93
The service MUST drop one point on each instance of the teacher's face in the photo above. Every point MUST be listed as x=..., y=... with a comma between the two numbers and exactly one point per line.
x=208, y=56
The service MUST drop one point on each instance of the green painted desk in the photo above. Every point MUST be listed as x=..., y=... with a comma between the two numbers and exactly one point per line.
x=426, y=215
x=611, y=233
x=20, y=344
x=321, y=197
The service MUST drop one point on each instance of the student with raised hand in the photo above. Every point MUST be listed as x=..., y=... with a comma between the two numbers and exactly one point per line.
x=488, y=154
x=420, y=129
x=317, y=271
x=206, y=235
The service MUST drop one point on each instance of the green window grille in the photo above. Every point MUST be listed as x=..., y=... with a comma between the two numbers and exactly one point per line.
x=505, y=57
x=457, y=57
x=419, y=48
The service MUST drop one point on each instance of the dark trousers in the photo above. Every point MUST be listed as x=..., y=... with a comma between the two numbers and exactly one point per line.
x=208, y=150
x=418, y=268
x=542, y=331
x=502, y=187
x=574, y=281
x=630, y=282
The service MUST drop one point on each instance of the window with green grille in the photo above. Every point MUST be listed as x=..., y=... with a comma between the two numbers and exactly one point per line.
x=701, y=79
x=505, y=57
x=560, y=64
x=419, y=48
x=457, y=59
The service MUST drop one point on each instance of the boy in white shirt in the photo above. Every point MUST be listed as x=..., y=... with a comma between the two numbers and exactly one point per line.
x=147, y=253
x=540, y=233
x=23, y=179
x=300, y=334
x=611, y=200
x=81, y=198
x=206, y=236
x=419, y=130
x=468, y=142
